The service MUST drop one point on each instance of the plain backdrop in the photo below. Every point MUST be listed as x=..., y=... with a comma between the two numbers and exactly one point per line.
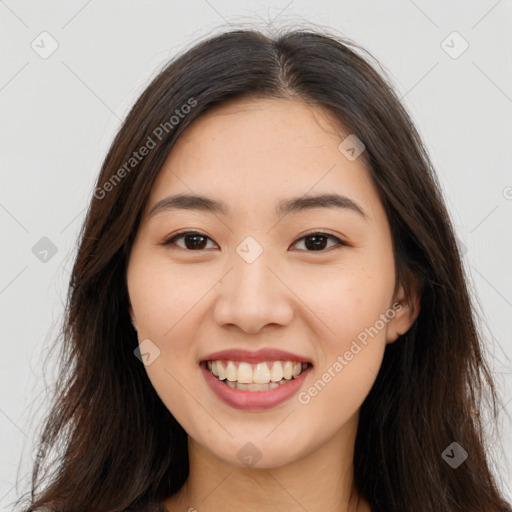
x=70, y=70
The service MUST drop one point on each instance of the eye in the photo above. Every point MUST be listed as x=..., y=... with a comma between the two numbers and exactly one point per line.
x=317, y=241
x=196, y=241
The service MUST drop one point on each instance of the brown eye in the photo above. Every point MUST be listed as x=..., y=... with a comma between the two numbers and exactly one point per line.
x=193, y=240
x=318, y=241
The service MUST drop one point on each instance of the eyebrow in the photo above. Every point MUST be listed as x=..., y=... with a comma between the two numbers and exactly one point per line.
x=293, y=205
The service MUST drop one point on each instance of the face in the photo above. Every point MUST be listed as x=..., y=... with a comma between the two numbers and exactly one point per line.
x=315, y=280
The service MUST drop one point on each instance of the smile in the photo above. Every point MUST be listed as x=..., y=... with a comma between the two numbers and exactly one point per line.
x=256, y=386
x=256, y=377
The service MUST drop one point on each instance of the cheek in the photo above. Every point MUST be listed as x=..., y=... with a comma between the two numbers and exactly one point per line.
x=336, y=393
x=165, y=301
x=162, y=295
x=348, y=301
x=351, y=353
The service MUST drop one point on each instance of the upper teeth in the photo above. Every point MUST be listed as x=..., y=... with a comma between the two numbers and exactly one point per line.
x=259, y=373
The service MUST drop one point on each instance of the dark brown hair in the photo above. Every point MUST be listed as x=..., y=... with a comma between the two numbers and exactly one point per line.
x=120, y=448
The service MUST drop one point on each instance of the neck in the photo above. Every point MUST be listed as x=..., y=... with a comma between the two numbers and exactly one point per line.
x=317, y=481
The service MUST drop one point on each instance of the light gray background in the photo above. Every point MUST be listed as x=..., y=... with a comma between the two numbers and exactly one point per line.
x=58, y=116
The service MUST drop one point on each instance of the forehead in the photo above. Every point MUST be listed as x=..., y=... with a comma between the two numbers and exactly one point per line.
x=267, y=129
x=253, y=149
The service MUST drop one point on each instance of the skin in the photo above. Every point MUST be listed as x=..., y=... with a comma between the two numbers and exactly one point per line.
x=189, y=303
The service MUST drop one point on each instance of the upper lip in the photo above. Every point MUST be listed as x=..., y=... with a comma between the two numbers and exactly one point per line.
x=265, y=354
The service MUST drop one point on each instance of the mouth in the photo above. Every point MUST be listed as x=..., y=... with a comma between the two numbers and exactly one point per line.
x=261, y=376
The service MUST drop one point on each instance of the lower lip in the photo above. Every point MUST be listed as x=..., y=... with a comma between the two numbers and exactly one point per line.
x=253, y=400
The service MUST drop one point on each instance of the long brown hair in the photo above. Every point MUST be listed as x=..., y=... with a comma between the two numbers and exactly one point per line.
x=119, y=446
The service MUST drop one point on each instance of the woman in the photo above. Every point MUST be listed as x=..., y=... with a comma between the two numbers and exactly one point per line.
x=268, y=310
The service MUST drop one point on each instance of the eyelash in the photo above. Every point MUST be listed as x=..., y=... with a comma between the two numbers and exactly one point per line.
x=177, y=236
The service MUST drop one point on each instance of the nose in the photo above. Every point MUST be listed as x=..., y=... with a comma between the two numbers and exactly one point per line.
x=253, y=295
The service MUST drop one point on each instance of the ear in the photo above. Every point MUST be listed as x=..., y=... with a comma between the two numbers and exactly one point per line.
x=406, y=308
x=132, y=317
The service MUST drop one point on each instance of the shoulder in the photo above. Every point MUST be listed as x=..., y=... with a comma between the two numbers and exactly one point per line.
x=149, y=507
